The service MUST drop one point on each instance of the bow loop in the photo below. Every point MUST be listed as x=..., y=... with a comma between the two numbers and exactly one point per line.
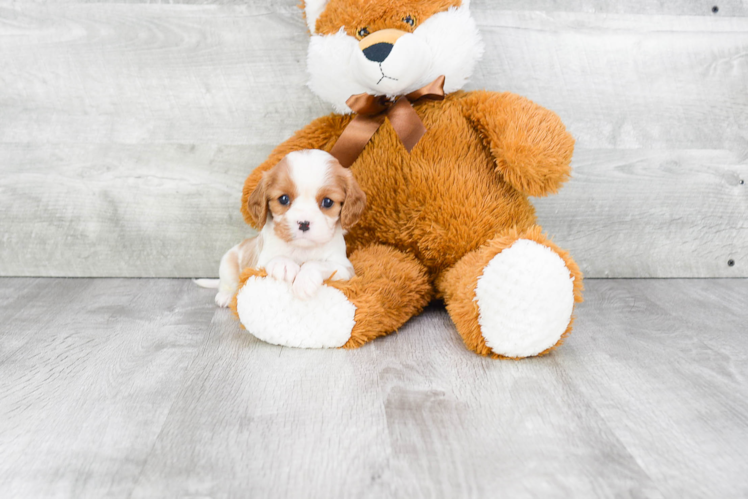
x=367, y=104
x=433, y=91
x=371, y=112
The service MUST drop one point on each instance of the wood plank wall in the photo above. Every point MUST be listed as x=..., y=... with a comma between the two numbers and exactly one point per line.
x=127, y=128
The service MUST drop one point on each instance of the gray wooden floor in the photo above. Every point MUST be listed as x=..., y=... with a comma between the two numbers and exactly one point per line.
x=140, y=387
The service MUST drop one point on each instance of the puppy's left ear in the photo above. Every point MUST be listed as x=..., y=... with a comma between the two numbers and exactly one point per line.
x=258, y=202
x=355, y=201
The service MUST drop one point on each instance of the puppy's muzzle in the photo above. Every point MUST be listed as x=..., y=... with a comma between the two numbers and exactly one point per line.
x=377, y=46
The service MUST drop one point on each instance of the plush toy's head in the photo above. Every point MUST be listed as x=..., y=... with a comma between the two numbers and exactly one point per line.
x=388, y=47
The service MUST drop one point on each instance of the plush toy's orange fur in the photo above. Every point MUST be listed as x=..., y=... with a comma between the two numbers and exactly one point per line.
x=377, y=15
x=437, y=216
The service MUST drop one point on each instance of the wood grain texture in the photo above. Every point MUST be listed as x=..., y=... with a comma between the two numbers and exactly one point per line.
x=671, y=7
x=171, y=210
x=88, y=370
x=118, y=210
x=648, y=213
x=235, y=74
x=100, y=101
x=127, y=388
x=659, y=345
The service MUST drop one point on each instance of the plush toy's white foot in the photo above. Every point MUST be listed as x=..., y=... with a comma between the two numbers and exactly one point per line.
x=270, y=311
x=525, y=299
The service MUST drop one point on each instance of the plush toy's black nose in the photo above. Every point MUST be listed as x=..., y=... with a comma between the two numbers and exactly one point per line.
x=378, y=52
x=304, y=225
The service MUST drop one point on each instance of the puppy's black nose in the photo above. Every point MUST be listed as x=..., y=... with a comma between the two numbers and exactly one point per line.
x=378, y=52
x=304, y=225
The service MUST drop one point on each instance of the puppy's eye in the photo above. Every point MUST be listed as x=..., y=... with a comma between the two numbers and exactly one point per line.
x=284, y=200
x=327, y=203
x=363, y=32
x=409, y=20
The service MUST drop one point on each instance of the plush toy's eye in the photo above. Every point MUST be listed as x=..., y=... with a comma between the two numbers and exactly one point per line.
x=363, y=32
x=284, y=200
x=409, y=20
x=327, y=203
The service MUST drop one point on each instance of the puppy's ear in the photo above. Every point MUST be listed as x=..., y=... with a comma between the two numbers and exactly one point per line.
x=355, y=201
x=258, y=202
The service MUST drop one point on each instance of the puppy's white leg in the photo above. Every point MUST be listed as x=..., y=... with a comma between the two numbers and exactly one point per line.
x=313, y=273
x=309, y=279
x=342, y=272
x=228, y=273
x=282, y=269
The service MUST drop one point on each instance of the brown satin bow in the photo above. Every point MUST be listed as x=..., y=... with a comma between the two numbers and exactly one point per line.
x=372, y=110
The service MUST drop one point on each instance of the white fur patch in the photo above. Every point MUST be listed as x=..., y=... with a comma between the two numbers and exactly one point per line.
x=310, y=170
x=269, y=310
x=525, y=299
x=447, y=43
x=330, y=66
x=313, y=9
x=456, y=46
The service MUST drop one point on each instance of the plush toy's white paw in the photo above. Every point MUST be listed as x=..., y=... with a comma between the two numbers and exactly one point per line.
x=525, y=299
x=282, y=269
x=270, y=311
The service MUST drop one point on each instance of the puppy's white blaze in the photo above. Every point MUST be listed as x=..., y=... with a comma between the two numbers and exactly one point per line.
x=447, y=43
x=310, y=170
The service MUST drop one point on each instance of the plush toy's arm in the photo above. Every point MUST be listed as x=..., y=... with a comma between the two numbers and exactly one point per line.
x=319, y=134
x=530, y=145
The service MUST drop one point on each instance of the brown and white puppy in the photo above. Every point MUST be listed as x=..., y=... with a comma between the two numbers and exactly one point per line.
x=303, y=206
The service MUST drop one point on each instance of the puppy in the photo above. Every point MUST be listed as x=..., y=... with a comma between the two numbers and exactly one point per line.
x=303, y=207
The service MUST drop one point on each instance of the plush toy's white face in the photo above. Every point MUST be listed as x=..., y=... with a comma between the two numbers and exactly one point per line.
x=386, y=47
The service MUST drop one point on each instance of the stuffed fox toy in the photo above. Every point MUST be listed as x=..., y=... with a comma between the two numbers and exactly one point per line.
x=447, y=175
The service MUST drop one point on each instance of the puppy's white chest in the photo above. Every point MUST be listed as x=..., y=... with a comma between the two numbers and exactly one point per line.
x=333, y=250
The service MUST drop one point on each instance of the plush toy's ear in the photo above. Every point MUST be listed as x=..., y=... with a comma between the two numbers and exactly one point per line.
x=312, y=10
x=258, y=202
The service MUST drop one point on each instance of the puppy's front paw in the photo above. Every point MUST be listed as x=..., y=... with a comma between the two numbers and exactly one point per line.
x=343, y=273
x=223, y=298
x=282, y=269
x=307, y=282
